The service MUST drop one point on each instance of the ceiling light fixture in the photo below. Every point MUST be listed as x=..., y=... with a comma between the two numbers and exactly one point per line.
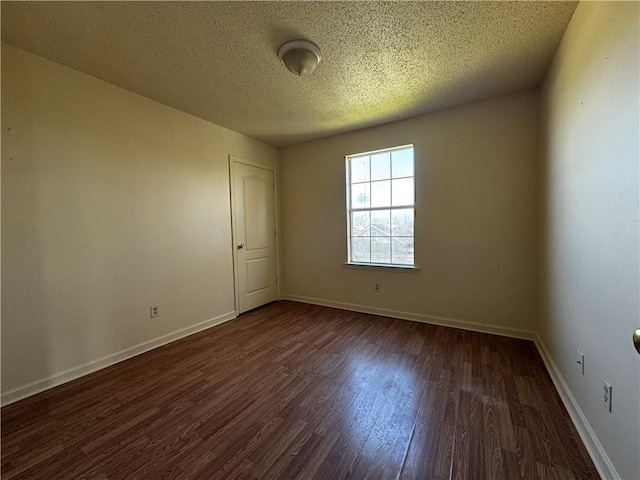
x=300, y=56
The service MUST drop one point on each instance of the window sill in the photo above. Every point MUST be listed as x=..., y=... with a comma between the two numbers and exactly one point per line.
x=382, y=267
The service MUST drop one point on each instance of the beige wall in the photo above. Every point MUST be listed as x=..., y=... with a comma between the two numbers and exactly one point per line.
x=589, y=224
x=110, y=203
x=476, y=220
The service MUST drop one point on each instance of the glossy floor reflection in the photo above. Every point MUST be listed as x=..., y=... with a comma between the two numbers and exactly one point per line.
x=301, y=391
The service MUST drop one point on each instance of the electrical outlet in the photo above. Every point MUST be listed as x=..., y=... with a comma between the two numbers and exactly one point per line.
x=607, y=392
x=376, y=287
x=580, y=360
x=154, y=311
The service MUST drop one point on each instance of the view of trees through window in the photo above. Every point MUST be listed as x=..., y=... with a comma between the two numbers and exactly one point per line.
x=380, y=188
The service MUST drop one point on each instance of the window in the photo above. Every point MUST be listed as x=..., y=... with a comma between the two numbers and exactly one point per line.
x=380, y=207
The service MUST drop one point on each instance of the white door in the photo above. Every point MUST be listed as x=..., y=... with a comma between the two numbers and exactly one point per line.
x=254, y=235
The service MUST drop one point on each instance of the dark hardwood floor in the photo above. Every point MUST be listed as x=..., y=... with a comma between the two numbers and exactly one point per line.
x=301, y=391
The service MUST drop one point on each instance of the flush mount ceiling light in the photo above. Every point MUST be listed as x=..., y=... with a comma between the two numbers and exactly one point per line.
x=300, y=56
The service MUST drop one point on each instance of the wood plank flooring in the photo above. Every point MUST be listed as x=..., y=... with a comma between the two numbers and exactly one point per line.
x=300, y=391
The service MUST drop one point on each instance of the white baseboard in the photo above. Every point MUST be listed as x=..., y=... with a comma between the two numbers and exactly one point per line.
x=598, y=455
x=418, y=317
x=59, y=378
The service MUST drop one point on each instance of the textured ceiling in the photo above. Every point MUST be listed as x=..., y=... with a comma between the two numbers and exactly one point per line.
x=382, y=61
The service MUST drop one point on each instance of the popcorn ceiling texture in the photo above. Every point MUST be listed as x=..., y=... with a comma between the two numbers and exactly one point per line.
x=382, y=61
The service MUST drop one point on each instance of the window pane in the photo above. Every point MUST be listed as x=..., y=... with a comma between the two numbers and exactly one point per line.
x=359, y=169
x=360, y=224
x=381, y=250
x=360, y=195
x=360, y=249
x=380, y=223
x=381, y=194
x=402, y=250
x=402, y=222
x=402, y=192
x=380, y=166
x=402, y=163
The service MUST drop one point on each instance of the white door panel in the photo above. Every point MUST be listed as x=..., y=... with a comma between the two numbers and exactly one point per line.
x=254, y=221
x=257, y=274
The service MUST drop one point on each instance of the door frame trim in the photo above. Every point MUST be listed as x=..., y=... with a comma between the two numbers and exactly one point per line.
x=276, y=202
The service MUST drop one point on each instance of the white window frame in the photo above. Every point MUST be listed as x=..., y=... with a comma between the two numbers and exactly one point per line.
x=372, y=265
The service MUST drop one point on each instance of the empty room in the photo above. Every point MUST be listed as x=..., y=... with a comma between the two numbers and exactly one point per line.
x=320, y=240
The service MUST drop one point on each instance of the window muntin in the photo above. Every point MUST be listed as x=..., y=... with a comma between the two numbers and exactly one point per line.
x=381, y=207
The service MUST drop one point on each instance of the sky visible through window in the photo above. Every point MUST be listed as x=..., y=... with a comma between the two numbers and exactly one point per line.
x=381, y=207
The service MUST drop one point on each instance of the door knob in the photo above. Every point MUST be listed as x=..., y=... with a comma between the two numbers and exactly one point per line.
x=636, y=339
x=240, y=246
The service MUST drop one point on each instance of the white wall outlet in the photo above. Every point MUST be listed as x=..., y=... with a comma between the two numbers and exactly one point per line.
x=376, y=287
x=154, y=311
x=580, y=360
x=607, y=392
